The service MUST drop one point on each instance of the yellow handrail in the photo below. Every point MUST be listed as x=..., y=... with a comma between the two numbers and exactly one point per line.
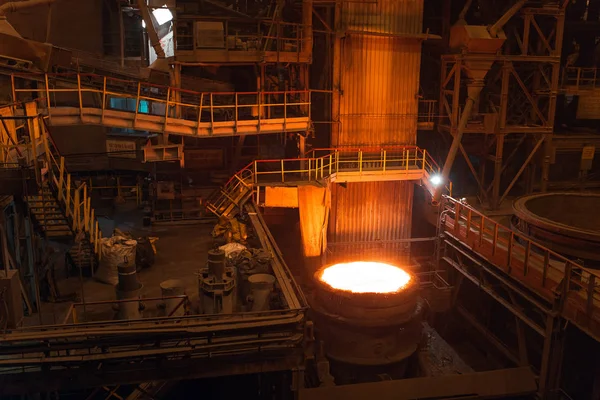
x=77, y=202
x=206, y=110
x=334, y=161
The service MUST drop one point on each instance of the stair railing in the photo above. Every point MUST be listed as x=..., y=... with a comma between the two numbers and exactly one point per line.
x=76, y=201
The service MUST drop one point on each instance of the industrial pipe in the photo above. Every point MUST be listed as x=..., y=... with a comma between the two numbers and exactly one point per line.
x=14, y=6
x=497, y=27
x=152, y=35
x=473, y=91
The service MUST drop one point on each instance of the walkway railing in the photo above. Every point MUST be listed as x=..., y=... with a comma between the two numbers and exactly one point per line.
x=197, y=113
x=580, y=78
x=574, y=290
x=336, y=164
x=324, y=163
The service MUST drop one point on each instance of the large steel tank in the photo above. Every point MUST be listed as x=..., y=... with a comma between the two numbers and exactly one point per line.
x=367, y=332
x=568, y=223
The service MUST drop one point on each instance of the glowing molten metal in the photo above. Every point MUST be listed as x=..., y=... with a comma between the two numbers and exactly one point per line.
x=366, y=277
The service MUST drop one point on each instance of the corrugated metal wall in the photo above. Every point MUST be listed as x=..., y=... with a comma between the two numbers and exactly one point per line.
x=379, y=83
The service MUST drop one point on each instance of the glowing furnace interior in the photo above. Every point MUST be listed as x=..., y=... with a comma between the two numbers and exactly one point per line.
x=366, y=277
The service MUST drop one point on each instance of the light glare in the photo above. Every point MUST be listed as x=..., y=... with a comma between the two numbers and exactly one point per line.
x=365, y=277
x=436, y=180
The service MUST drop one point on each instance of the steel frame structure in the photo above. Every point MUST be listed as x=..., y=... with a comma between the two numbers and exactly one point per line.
x=542, y=289
x=517, y=104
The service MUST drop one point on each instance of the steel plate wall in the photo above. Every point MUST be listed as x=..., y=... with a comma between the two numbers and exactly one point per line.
x=383, y=16
x=379, y=84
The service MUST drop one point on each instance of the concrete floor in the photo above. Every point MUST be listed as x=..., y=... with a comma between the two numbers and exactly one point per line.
x=180, y=251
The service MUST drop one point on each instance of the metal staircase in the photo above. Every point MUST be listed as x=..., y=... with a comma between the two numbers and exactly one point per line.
x=48, y=213
x=322, y=166
x=228, y=199
x=60, y=210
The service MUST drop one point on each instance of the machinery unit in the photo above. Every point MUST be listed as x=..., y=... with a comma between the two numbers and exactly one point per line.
x=217, y=285
x=128, y=288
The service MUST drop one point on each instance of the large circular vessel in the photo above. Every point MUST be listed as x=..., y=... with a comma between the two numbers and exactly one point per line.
x=568, y=223
x=368, y=315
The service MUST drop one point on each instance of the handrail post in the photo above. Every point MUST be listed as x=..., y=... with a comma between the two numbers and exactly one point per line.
x=424, y=158
x=284, y=110
x=47, y=83
x=212, y=114
x=384, y=159
x=469, y=216
x=322, y=167
x=457, y=217
x=12, y=89
x=545, y=267
x=68, y=196
x=137, y=103
x=236, y=111
x=495, y=239
x=590, y=297
x=282, y=172
x=200, y=113
x=80, y=97
x=103, y=98
x=76, y=210
x=360, y=161
x=61, y=178
x=167, y=107
x=330, y=161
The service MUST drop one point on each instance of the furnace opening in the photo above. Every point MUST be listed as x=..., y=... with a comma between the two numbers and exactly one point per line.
x=365, y=277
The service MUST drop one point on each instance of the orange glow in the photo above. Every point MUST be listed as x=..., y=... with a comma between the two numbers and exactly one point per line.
x=366, y=277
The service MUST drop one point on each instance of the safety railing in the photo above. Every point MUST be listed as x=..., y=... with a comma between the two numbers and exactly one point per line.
x=323, y=164
x=76, y=201
x=121, y=191
x=236, y=36
x=20, y=142
x=190, y=108
x=80, y=312
x=573, y=289
x=579, y=78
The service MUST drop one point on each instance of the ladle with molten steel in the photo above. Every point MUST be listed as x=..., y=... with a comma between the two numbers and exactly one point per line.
x=368, y=314
x=365, y=277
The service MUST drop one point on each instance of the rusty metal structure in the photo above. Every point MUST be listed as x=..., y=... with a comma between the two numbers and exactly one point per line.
x=517, y=103
x=336, y=146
